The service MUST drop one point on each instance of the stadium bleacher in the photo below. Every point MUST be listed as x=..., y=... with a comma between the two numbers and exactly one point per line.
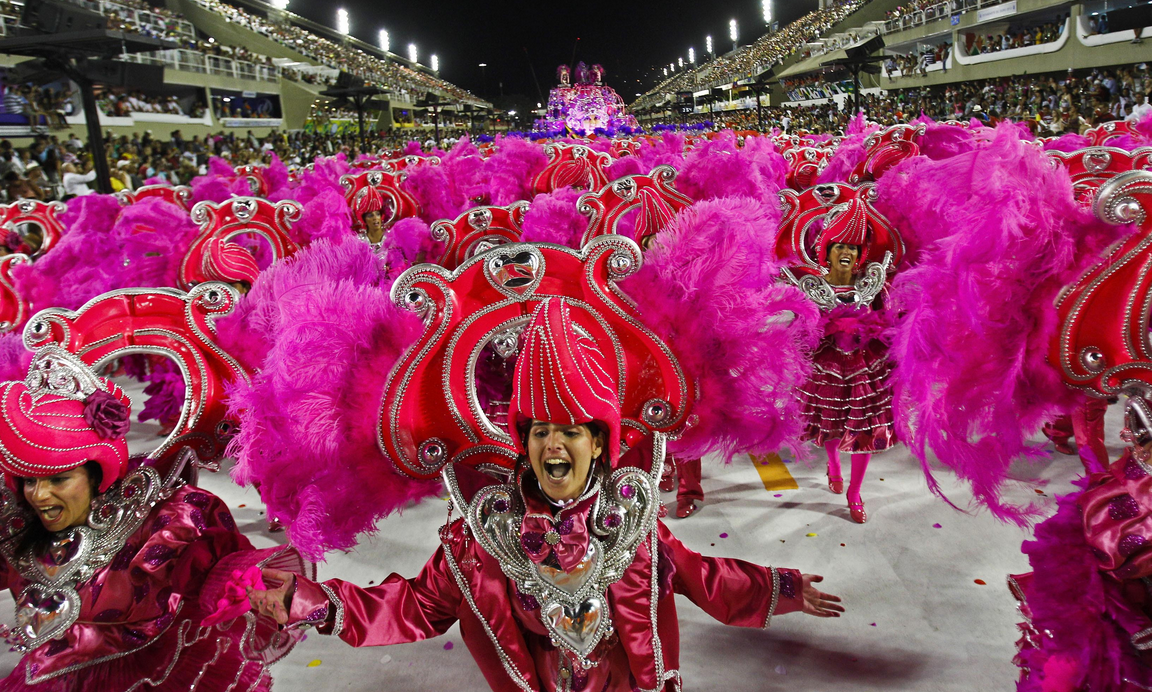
x=225, y=54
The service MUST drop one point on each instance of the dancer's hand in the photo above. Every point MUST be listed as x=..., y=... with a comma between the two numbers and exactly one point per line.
x=818, y=603
x=276, y=601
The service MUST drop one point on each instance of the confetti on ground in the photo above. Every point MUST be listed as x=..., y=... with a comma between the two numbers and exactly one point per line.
x=937, y=526
x=981, y=582
x=873, y=624
x=881, y=479
x=385, y=659
x=841, y=545
x=810, y=535
x=712, y=544
x=313, y=664
x=777, y=495
x=1038, y=491
x=448, y=646
x=723, y=535
x=239, y=506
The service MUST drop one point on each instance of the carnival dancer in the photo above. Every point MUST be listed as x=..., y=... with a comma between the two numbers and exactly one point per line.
x=848, y=400
x=367, y=217
x=109, y=562
x=560, y=577
x=1088, y=619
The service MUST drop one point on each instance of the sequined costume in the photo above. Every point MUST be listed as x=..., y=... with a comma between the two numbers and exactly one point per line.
x=116, y=603
x=504, y=628
x=139, y=618
x=1088, y=614
x=1085, y=426
x=848, y=399
x=558, y=596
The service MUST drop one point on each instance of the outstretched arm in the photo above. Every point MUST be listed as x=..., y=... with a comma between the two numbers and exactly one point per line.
x=743, y=594
x=396, y=611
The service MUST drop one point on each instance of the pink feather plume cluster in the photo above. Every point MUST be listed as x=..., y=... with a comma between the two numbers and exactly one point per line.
x=555, y=218
x=14, y=357
x=139, y=245
x=708, y=288
x=1000, y=235
x=719, y=168
x=308, y=420
x=512, y=170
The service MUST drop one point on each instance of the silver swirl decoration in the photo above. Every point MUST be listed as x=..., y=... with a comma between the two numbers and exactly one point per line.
x=1115, y=200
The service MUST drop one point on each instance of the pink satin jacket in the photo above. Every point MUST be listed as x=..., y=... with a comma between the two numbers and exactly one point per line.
x=139, y=614
x=506, y=634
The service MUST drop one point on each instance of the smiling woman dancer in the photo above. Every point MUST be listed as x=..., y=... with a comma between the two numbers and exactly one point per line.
x=107, y=562
x=848, y=399
x=578, y=515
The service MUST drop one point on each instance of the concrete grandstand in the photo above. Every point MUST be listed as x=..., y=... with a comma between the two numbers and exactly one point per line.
x=243, y=66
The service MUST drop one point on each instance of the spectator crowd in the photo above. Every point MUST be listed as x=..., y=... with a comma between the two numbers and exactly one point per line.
x=1017, y=36
x=375, y=71
x=767, y=51
x=122, y=105
x=140, y=17
x=53, y=167
x=917, y=61
x=1051, y=104
x=42, y=106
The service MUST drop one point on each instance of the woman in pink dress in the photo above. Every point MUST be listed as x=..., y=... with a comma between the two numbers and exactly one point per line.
x=561, y=576
x=110, y=564
x=848, y=400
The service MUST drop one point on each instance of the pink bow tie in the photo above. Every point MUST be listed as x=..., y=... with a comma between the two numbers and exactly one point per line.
x=566, y=538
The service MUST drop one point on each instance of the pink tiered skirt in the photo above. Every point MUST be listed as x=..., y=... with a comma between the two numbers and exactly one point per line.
x=848, y=399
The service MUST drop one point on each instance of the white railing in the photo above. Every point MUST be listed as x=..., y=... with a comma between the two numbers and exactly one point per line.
x=1089, y=38
x=961, y=53
x=933, y=12
x=192, y=61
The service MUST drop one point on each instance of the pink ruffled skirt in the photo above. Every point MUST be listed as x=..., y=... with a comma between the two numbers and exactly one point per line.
x=849, y=399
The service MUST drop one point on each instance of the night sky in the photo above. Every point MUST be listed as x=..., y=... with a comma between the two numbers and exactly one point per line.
x=632, y=40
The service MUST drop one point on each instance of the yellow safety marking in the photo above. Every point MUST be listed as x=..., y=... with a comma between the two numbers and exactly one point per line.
x=773, y=472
